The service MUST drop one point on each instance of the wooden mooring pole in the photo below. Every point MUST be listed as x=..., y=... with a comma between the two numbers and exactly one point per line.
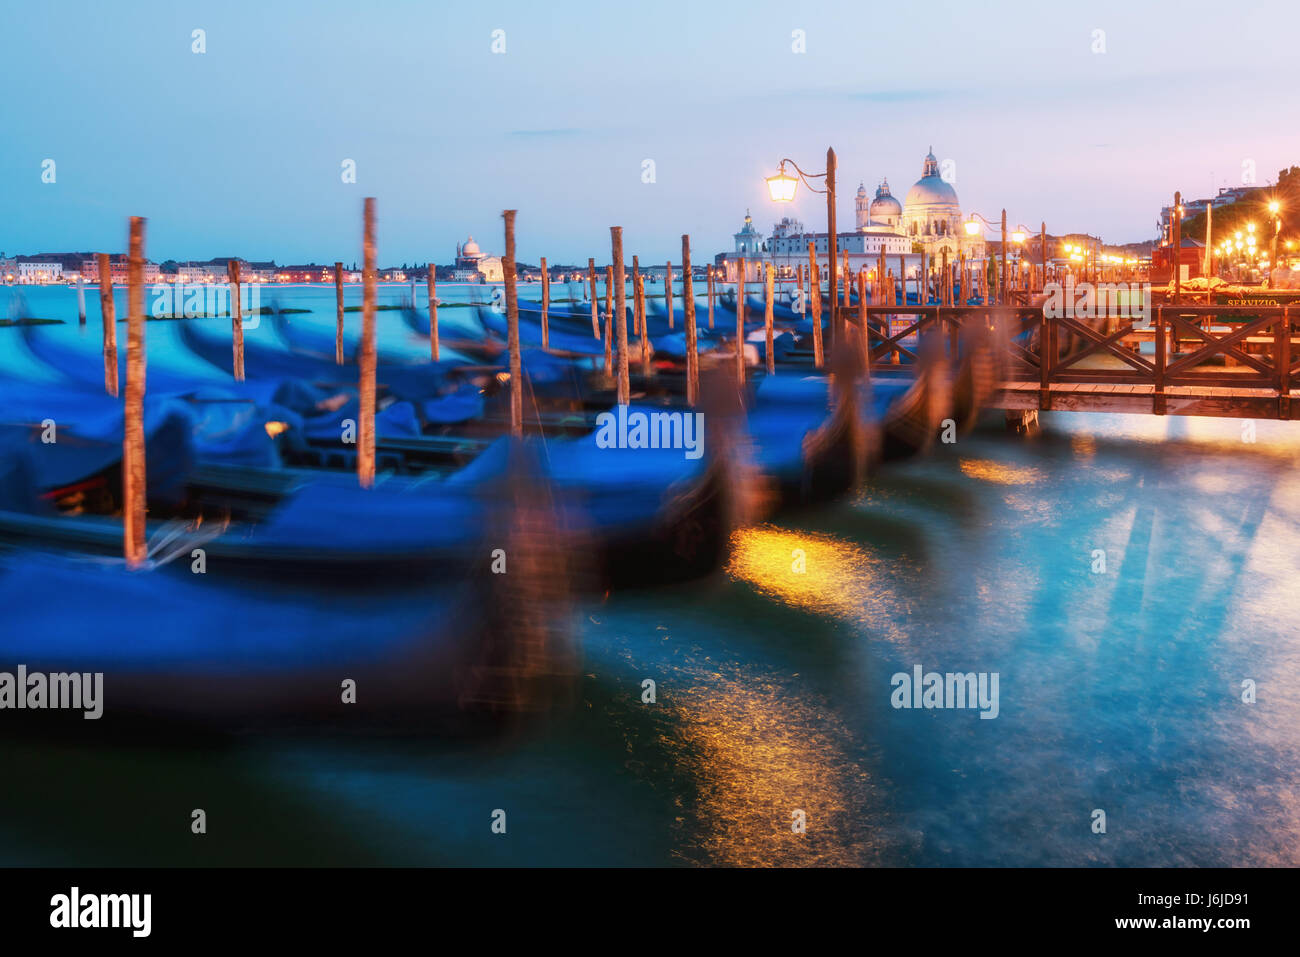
x=595, y=308
x=512, y=325
x=546, y=304
x=815, y=298
x=366, y=358
x=636, y=296
x=81, y=300
x=847, y=281
x=609, y=320
x=864, y=330
x=688, y=305
x=620, y=307
x=236, y=319
x=1042, y=237
x=133, y=452
x=709, y=278
x=767, y=314
x=338, y=313
x=646, y=352
x=1003, y=291
x=108, y=315
x=668, y=293
x=435, y=350
x=1178, y=255
x=740, y=321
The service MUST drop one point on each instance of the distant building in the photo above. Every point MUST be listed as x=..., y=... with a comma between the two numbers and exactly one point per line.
x=191, y=273
x=219, y=269
x=117, y=266
x=310, y=272
x=38, y=272
x=1226, y=196
x=473, y=265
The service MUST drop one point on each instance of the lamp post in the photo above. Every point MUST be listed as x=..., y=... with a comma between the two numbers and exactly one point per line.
x=1020, y=236
x=972, y=227
x=1274, y=208
x=782, y=188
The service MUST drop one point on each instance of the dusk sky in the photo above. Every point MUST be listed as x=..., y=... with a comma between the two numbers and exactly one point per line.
x=238, y=150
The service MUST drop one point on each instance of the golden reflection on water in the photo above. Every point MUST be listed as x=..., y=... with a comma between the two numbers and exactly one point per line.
x=822, y=574
x=1000, y=473
x=804, y=569
x=756, y=752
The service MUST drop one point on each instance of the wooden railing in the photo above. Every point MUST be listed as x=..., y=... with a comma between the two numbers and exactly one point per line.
x=1189, y=350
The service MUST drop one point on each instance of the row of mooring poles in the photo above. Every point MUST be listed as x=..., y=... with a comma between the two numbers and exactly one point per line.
x=133, y=452
x=615, y=336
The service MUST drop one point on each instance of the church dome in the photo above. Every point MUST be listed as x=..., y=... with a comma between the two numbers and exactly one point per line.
x=884, y=205
x=470, y=249
x=931, y=189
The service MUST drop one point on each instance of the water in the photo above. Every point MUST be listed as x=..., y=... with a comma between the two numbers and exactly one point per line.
x=1119, y=690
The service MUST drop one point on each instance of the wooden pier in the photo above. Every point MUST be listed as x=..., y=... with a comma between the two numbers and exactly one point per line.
x=1209, y=360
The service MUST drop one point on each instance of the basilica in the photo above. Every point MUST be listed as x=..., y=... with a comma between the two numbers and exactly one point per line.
x=928, y=221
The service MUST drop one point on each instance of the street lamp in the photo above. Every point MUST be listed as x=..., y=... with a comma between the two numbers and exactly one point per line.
x=782, y=188
x=1274, y=209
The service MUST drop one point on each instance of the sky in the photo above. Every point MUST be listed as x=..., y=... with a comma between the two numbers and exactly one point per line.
x=241, y=149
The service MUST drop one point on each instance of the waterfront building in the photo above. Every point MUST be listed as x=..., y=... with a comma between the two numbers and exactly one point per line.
x=311, y=272
x=27, y=273
x=117, y=266
x=218, y=269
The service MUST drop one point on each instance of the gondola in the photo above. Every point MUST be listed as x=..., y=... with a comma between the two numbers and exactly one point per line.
x=197, y=653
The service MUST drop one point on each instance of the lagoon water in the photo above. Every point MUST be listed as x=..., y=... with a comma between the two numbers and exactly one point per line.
x=1120, y=687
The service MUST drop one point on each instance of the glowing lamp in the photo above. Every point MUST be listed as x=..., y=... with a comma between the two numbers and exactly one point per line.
x=972, y=227
x=782, y=187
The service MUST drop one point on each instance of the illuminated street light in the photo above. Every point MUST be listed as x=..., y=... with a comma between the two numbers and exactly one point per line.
x=781, y=186
x=782, y=189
